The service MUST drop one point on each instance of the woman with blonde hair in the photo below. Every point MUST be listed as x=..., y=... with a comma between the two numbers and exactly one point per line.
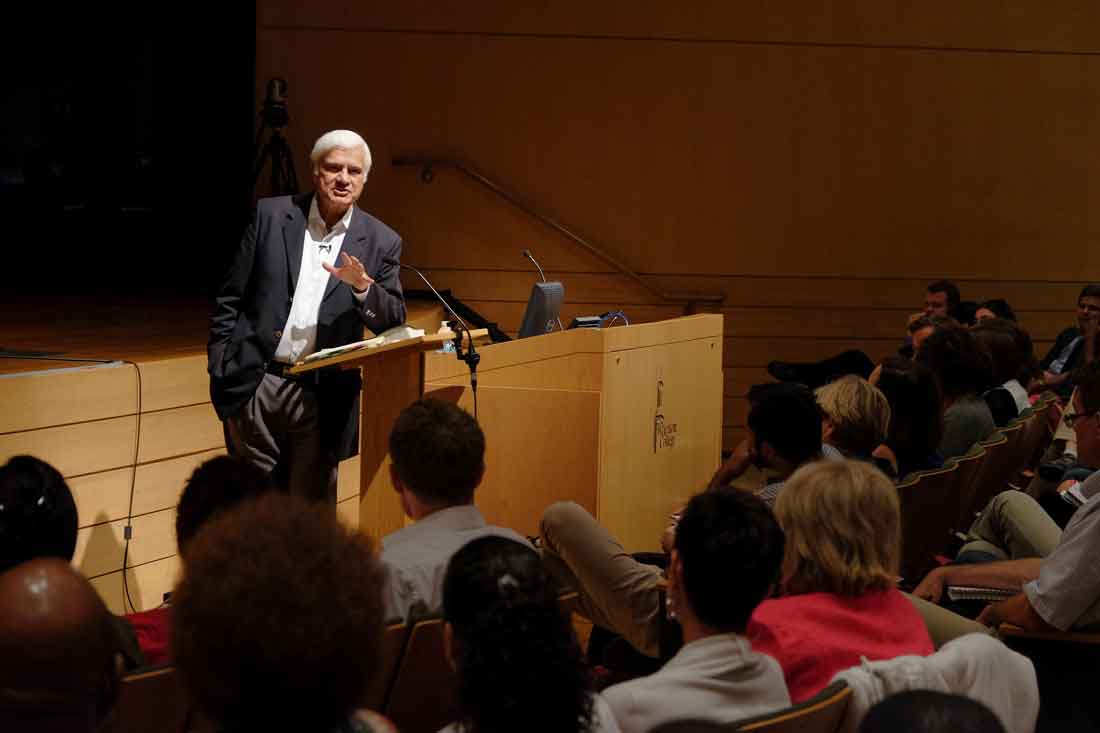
x=837, y=600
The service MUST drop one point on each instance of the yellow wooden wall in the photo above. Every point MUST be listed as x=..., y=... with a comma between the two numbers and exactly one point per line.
x=85, y=422
x=816, y=162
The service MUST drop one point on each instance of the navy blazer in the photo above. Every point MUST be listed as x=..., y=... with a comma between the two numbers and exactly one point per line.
x=1065, y=338
x=254, y=302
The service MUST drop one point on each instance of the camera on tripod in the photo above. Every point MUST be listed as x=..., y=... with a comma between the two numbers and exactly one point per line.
x=275, y=115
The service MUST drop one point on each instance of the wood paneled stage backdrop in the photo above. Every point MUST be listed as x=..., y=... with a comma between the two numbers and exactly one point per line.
x=815, y=162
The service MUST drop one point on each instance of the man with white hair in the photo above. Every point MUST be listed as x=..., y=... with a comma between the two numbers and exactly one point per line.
x=310, y=272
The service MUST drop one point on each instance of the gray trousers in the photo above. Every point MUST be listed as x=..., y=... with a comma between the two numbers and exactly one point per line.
x=278, y=431
x=1013, y=526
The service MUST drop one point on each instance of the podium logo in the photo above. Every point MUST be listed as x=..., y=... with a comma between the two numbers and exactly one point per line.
x=664, y=432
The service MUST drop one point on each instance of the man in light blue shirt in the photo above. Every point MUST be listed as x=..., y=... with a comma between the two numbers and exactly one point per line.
x=438, y=453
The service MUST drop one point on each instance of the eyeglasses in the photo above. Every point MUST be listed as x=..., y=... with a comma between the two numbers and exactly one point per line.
x=1069, y=419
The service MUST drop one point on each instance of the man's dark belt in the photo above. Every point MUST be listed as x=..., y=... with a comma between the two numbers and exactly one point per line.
x=279, y=369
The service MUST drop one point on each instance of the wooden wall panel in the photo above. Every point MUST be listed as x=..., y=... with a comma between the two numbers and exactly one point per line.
x=348, y=511
x=101, y=497
x=864, y=294
x=814, y=159
x=174, y=383
x=147, y=585
x=1062, y=25
x=99, y=548
x=74, y=450
x=168, y=433
x=817, y=164
x=37, y=400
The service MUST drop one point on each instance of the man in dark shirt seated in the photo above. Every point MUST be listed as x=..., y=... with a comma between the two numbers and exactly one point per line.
x=941, y=300
x=1074, y=346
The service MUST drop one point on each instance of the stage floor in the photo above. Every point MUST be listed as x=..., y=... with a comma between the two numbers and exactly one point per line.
x=117, y=328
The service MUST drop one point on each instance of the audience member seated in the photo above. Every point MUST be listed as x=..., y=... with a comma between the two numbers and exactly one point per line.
x=996, y=308
x=38, y=519
x=928, y=711
x=438, y=453
x=856, y=419
x=37, y=512
x=58, y=669
x=838, y=602
x=1055, y=573
x=922, y=328
x=941, y=300
x=966, y=313
x=964, y=372
x=726, y=559
x=1013, y=363
x=785, y=429
x=1074, y=346
x=916, y=415
x=217, y=485
x=519, y=664
x=277, y=622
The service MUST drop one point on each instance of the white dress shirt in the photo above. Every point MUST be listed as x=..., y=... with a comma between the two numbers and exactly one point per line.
x=321, y=245
x=717, y=678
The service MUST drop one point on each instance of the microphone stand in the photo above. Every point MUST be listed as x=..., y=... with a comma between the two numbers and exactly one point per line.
x=470, y=356
x=528, y=255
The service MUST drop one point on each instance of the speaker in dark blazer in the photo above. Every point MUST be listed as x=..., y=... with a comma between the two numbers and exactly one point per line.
x=255, y=299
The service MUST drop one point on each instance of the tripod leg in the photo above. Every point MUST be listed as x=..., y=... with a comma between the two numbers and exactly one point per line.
x=259, y=166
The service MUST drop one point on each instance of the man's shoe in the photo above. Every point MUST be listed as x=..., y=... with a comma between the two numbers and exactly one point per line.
x=784, y=371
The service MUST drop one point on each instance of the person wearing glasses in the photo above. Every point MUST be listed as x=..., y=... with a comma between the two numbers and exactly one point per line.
x=310, y=273
x=1054, y=572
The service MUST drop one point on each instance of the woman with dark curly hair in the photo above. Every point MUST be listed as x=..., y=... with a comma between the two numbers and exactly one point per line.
x=964, y=371
x=518, y=661
x=916, y=415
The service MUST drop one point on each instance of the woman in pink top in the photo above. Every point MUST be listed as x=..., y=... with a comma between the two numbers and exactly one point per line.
x=838, y=602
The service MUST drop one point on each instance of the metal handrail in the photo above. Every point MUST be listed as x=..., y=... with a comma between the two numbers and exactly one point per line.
x=427, y=166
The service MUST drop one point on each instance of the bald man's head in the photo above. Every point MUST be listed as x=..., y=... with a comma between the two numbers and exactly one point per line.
x=57, y=646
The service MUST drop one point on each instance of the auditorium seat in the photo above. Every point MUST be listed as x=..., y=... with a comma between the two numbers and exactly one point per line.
x=929, y=507
x=394, y=639
x=822, y=713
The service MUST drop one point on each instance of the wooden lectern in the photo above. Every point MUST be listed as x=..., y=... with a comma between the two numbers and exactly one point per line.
x=393, y=378
x=625, y=421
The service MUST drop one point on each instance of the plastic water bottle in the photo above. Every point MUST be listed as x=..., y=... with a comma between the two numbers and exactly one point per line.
x=449, y=345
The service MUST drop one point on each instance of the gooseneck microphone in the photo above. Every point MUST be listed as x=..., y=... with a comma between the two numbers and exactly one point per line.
x=527, y=253
x=471, y=357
